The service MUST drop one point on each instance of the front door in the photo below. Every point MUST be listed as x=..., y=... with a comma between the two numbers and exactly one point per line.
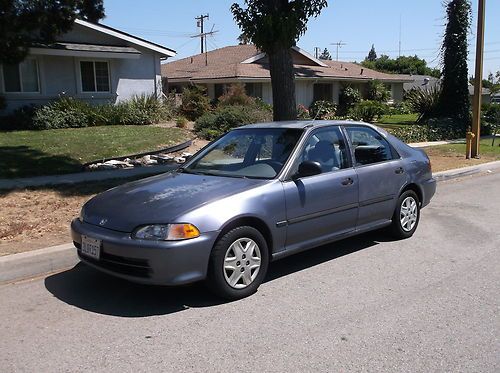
x=322, y=207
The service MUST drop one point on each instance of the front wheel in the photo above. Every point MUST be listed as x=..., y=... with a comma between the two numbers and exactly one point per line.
x=238, y=263
x=406, y=216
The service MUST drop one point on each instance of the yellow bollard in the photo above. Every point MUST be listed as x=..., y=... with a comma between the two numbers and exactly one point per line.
x=468, y=146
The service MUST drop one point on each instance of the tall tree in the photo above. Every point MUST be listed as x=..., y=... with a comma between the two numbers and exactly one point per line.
x=454, y=99
x=243, y=39
x=24, y=22
x=274, y=26
x=372, y=55
x=325, y=55
x=401, y=65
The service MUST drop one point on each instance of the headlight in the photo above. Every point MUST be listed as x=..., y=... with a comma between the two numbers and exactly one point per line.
x=166, y=232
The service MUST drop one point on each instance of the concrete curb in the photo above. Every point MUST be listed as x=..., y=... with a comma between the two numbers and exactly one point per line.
x=34, y=263
x=466, y=171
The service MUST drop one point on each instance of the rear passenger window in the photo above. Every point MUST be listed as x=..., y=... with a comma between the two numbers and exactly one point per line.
x=369, y=146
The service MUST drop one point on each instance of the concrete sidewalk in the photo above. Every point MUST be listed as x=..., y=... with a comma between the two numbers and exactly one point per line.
x=34, y=263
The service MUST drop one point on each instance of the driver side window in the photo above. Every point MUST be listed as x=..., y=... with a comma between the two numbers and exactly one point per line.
x=327, y=147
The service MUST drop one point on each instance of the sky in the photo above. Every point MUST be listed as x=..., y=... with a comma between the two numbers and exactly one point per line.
x=419, y=24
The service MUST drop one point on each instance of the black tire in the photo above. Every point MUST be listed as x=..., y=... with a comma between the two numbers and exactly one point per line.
x=397, y=230
x=216, y=279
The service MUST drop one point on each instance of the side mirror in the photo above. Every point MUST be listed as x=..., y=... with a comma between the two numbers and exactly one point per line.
x=308, y=168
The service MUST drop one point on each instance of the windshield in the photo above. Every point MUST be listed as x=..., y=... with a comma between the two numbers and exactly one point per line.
x=254, y=153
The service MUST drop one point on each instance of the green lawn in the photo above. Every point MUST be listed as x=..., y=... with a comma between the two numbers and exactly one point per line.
x=34, y=153
x=397, y=120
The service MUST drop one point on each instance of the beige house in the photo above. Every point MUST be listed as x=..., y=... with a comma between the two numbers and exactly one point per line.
x=314, y=79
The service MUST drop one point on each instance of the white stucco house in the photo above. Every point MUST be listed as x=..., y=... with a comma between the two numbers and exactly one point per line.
x=314, y=79
x=92, y=62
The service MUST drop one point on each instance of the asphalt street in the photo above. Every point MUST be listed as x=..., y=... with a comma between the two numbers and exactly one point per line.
x=427, y=304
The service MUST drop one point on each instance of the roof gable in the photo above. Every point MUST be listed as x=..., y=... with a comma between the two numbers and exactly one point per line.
x=166, y=52
x=299, y=56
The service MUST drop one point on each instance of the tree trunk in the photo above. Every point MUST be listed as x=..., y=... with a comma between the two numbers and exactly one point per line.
x=283, y=83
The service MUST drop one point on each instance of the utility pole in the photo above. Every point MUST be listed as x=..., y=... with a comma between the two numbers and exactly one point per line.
x=199, y=23
x=339, y=44
x=478, y=81
x=400, y=35
x=316, y=52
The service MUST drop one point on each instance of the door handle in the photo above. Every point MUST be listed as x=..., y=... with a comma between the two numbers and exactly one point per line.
x=399, y=170
x=347, y=181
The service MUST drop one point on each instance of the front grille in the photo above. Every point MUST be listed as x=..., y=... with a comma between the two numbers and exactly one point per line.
x=119, y=264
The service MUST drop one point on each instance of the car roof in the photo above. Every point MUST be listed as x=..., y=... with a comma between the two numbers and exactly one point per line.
x=302, y=124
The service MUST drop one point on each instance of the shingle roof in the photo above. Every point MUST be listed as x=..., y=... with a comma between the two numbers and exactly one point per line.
x=226, y=63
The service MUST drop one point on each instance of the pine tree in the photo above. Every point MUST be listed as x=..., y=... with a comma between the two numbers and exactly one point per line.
x=325, y=55
x=372, y=55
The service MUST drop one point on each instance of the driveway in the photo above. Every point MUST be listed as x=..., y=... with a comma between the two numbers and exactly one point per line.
x=430, y=303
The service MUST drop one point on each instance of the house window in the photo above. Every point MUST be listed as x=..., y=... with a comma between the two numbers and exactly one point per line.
x=219, y=90
x=95, y=76
x=22, y=77
x=323, y=92
x=254, y=89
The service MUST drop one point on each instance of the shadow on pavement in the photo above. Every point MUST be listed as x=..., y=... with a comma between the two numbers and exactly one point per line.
x=91, y=290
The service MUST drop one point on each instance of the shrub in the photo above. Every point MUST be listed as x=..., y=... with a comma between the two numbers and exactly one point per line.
x=19, y=119
x=236, y=95
x=195, y=102
x=218, y=122
x=348, y=97
x=181, y=122
x=400, y=108
x=434, y=130
x=368, y=111
x=424, y=102
x=66, y=112
x=490, y=120
x=377, y=91
x=303, y=112
x=322, y=109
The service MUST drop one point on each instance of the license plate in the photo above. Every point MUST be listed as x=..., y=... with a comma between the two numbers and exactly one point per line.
x=91, y=247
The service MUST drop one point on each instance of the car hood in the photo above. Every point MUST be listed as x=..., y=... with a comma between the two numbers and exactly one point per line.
x=159, y=199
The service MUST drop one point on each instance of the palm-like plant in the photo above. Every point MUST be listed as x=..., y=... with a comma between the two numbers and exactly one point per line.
x=425, y=102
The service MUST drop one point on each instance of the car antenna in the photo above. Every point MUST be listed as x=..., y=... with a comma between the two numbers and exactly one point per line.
x=317, y=113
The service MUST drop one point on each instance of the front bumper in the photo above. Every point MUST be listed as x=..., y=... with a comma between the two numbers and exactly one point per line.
x=150, y=262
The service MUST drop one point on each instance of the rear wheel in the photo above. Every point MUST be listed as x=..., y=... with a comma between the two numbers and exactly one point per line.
x=238, y=263
x=406, y=216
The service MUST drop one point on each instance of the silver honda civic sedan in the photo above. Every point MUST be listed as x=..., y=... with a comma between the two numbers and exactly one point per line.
x=259, y=193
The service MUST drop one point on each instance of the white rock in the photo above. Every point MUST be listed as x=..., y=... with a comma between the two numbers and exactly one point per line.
x=180, y=159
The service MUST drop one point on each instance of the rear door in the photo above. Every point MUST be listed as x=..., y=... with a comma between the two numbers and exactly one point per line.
x=380, y=172
x=323, y=206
